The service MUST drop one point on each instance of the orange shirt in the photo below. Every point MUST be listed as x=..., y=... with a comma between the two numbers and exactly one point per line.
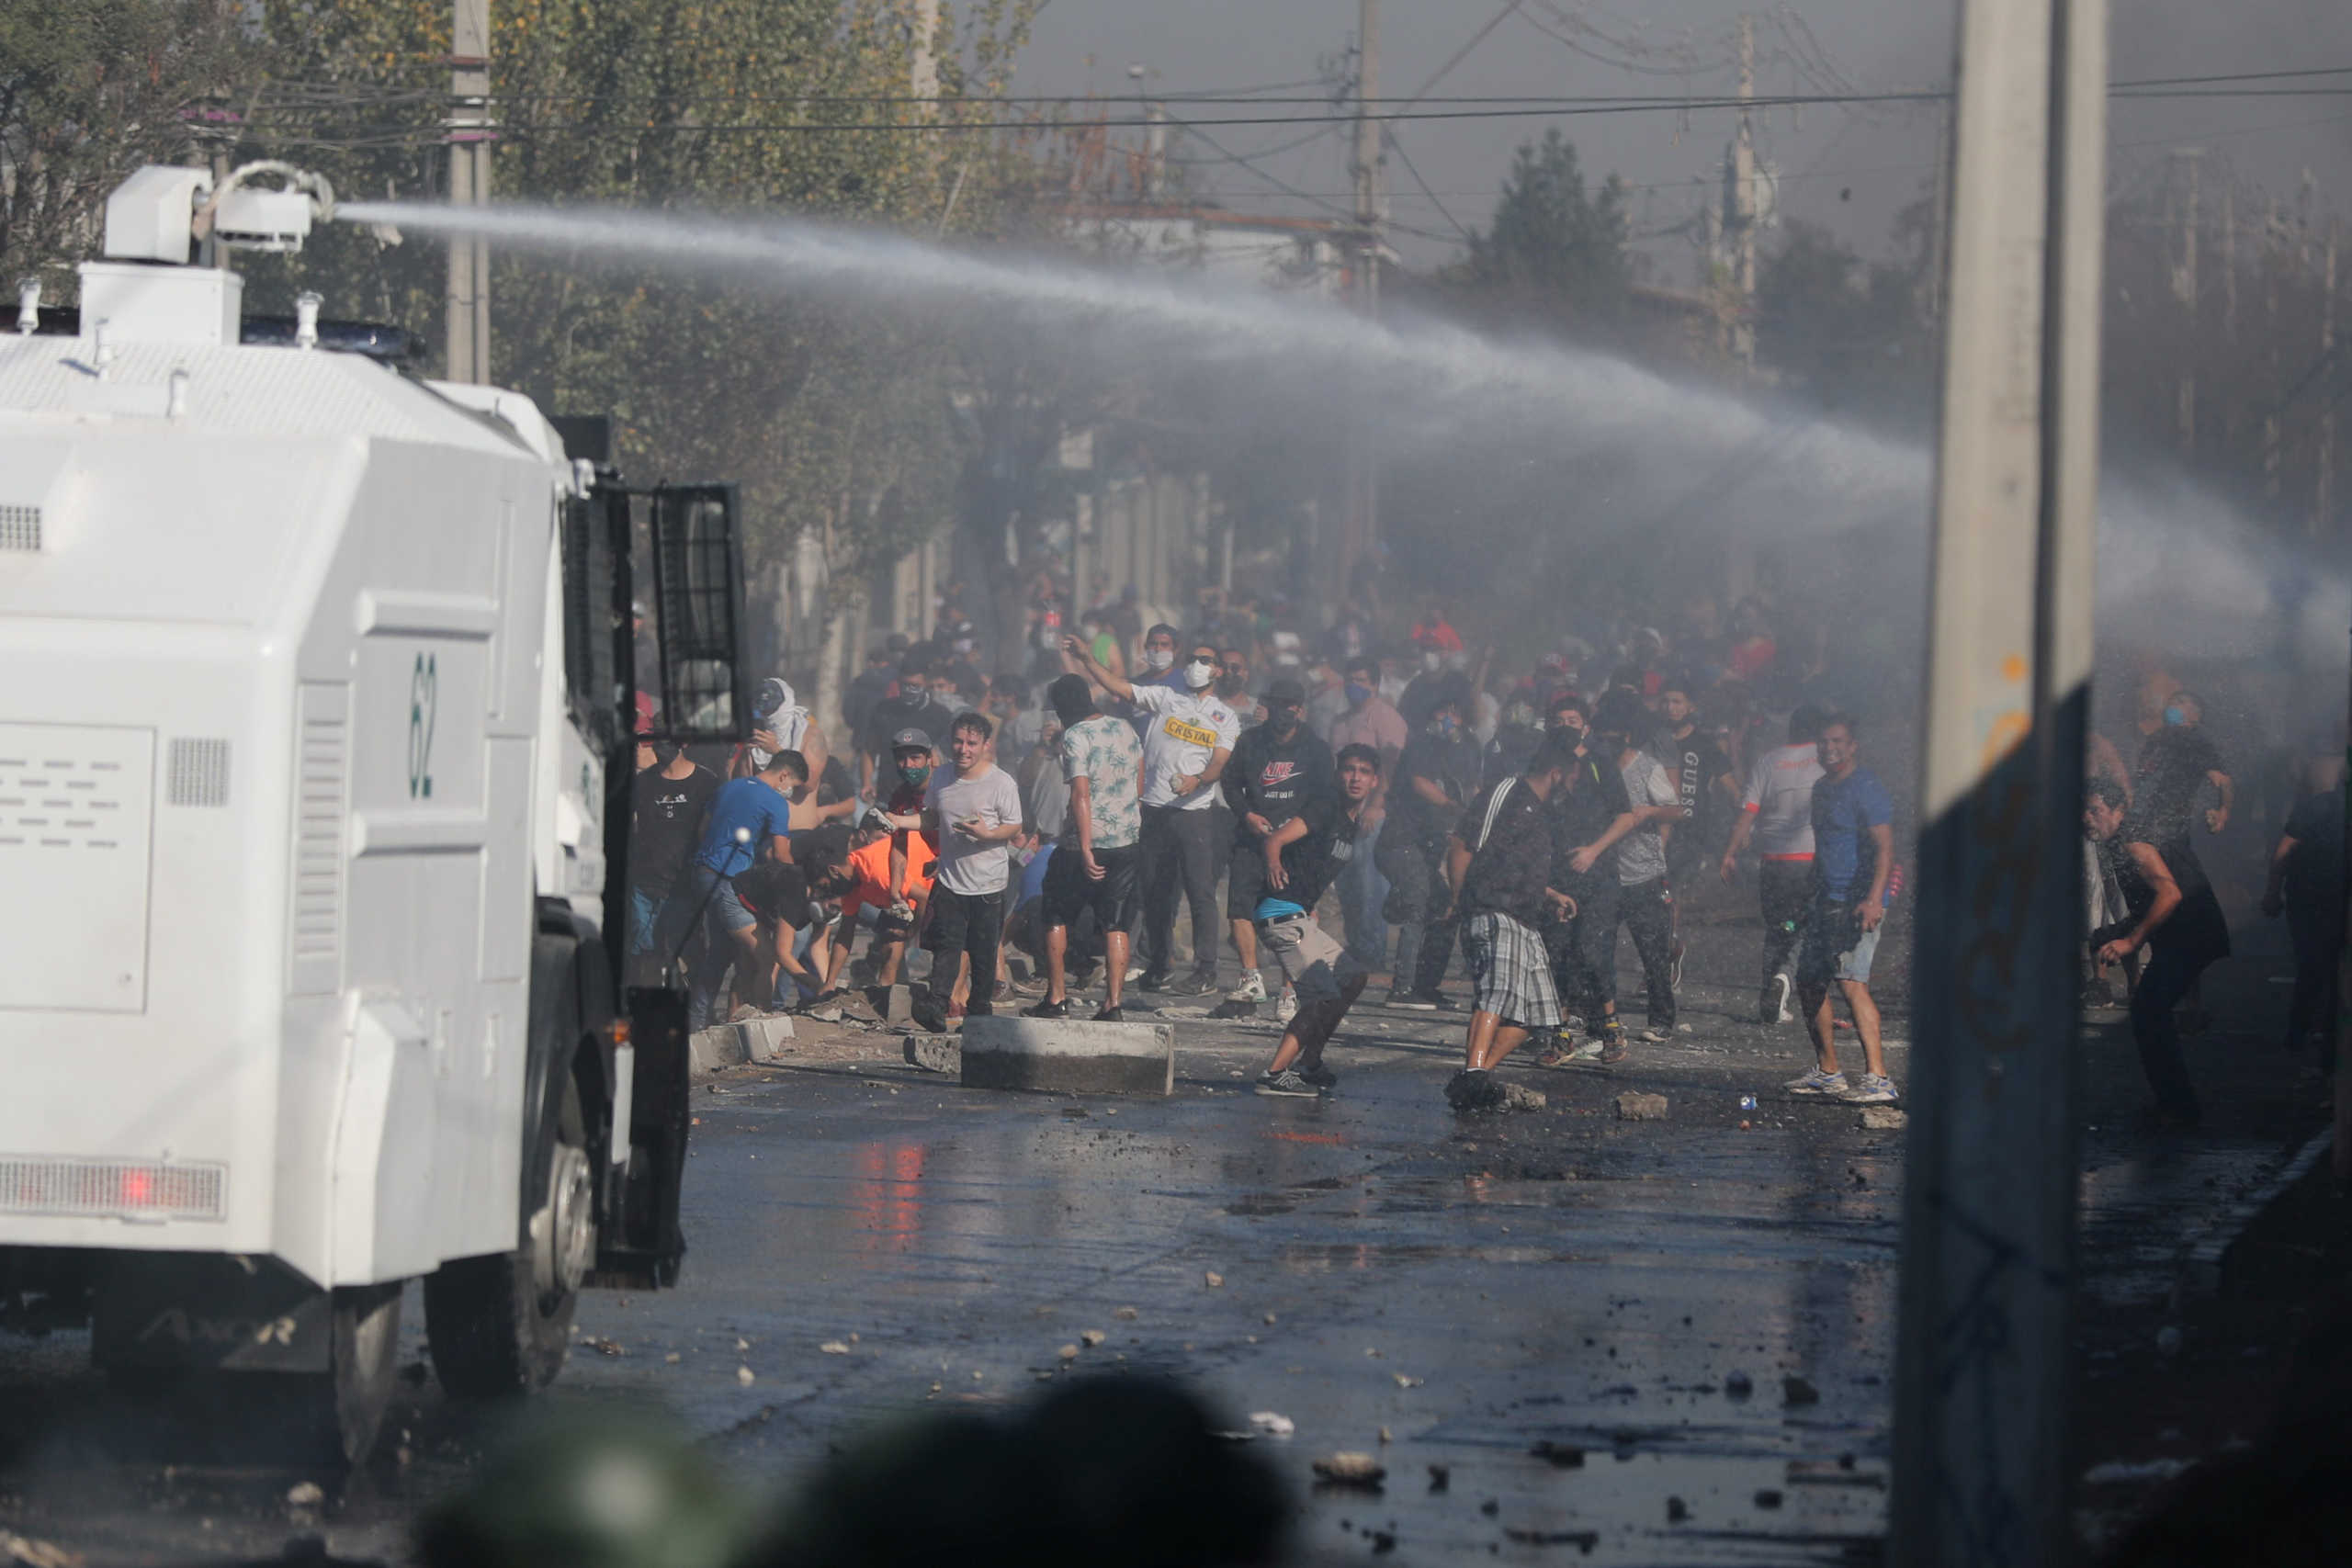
x=871, y=863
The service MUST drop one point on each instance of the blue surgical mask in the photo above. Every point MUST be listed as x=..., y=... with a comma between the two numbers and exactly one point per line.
x=1357, y=692
x=2174, y=716
x=1445, y=723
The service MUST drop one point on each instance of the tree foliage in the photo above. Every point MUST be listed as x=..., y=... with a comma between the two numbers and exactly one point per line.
x=1554, y=245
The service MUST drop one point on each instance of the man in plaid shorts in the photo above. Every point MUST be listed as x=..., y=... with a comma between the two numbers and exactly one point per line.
x=1498, y=863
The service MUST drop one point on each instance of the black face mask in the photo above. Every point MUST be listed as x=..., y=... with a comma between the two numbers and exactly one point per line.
x=665, y=752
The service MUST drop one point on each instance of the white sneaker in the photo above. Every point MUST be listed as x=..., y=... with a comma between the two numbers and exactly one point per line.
x=1286, y=1006
x=1818, y=1085
x=1251, y=989
x=1773, y=1006
x=1655, y=1036
x=1871, y=1088
x=1588, y=1052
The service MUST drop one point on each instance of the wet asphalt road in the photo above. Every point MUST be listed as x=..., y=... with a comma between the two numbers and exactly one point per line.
x=869, y=1240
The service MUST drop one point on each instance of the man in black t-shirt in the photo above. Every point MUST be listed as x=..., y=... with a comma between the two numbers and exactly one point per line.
x=1500, y=868
x=1438, y=772
x=668, y=798
x=914, y=708
x=2307, y=883
x=1594, y=813
x=1702, y=777
x=1298, y=861
x=2172, y=912
x=1276, y=768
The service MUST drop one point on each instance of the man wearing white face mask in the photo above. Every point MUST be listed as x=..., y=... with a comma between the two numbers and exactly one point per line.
x=1160, y=659
x=1191, y=734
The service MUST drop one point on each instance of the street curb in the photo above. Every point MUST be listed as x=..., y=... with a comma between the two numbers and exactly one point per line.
x=2223, y=1259
x=733, y=1045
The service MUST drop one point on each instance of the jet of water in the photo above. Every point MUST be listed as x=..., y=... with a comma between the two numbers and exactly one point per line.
x=2177, y=561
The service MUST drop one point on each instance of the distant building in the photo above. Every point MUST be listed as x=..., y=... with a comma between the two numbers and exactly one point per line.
x=1310, y=255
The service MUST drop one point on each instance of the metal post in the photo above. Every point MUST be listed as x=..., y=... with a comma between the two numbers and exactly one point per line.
x=1981, y=1463
x=468, y=304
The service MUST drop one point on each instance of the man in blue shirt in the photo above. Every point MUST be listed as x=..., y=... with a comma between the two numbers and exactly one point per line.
x=747, y=815
x=1853, y=851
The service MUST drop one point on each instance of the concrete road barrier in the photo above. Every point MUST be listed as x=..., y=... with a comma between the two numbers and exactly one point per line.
x=934, y=1052
x=1068, y=1057
x=732, y=1045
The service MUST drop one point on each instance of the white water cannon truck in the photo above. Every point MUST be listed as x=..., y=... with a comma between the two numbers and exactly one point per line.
x=315, y=755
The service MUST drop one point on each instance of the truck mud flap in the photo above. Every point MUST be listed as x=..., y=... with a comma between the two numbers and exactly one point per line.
x=211, y=1312
x=642, y=1244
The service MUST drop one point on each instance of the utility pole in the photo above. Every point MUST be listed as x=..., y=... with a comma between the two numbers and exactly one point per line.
x=2323, y=494
x=1743, y=205
x=468, y=306
x=1361, y=526
x=2187, y=162
x=1983, y=1360
x=2274, y=257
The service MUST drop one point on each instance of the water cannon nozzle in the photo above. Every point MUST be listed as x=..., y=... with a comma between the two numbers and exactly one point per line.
x=306, y=317
x=28, y=306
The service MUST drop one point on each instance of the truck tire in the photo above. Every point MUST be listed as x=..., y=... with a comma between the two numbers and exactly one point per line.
x=500, y=1326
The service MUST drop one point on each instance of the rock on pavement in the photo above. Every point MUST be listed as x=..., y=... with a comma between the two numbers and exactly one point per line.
x=1636, y=1107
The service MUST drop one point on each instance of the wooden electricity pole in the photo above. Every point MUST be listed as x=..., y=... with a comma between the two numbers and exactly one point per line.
x=1360, y=524
x=467, y=305
x=1982, y=1359
x=2188, y=164
x=1743, y=205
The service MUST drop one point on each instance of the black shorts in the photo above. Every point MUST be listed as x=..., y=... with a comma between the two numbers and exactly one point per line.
x=1068, y=890
x=1245, y=880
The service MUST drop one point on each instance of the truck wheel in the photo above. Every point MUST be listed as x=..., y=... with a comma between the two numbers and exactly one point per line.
x=502, y=1324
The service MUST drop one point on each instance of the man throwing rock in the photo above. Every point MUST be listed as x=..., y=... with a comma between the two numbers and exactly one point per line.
x=1301, y=856
x=1498, y=865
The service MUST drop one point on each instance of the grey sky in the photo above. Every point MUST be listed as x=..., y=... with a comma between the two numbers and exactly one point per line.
x=1848, y=168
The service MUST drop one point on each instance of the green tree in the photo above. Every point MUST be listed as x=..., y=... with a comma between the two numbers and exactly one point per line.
x=1554, y=245
x=90, y=90
x=1848, y=334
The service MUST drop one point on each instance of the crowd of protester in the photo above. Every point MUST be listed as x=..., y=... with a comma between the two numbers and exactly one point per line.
x=1036, y=833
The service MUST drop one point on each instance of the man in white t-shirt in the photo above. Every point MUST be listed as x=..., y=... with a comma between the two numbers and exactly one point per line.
x=970, y=815
x=1777, y=813
x=1644, y=900
x=1191, y=733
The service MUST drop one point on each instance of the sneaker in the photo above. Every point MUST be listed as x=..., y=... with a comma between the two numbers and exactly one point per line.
x=1251, y=989
x=1588, y=1052
x=1199, y=983
x=1142, y=980
x=1614, y=1047
x=1818, y=1085
x=1286, y=1006
x=1871, y=1088
x=1674, y=966
x=1772, y=1006
x=1412, y=999
x=1433, y=1001
x=1555, y=1055
x=926, y=1013
x=1047, y=1010
x=1108, y=1014
x=1288, y=1084
x=1656, y=1034
x=1320, y=1076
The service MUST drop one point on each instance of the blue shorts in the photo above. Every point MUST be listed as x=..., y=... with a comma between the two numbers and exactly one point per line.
x=1836, y=946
